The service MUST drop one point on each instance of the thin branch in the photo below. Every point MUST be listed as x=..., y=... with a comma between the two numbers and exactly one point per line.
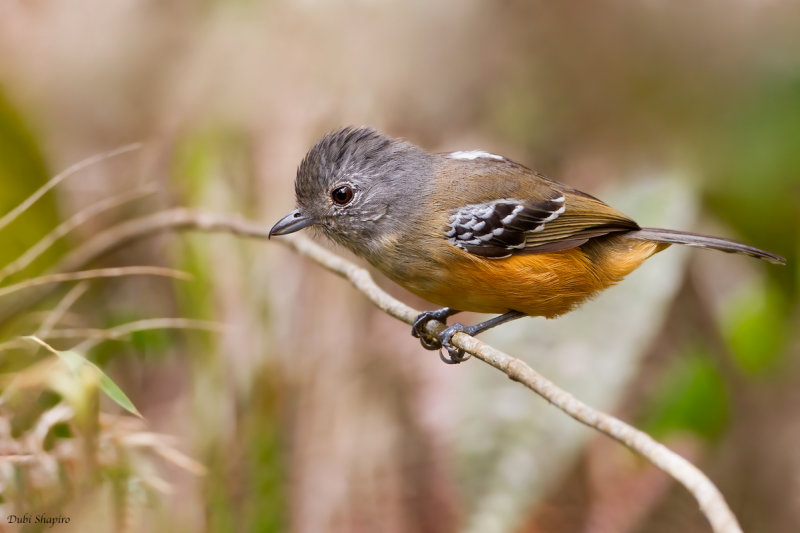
x=12, y=215
x=94, y=274
x=710, y=500
x=71, y=223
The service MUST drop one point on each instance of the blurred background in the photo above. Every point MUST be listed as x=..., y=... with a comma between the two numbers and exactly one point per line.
x=312, y=411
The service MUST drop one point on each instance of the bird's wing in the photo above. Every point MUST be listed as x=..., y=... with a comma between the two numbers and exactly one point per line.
x=544, y=217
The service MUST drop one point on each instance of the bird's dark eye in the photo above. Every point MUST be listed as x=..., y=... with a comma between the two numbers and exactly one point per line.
x=342, y=195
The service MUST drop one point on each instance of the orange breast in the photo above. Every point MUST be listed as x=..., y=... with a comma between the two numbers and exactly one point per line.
x=537, y=284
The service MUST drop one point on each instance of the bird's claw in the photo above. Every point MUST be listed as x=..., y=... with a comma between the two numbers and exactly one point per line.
x=441, y=342
x=418, y=330
x=418, y=327
x=454, y=355
x=429, y=343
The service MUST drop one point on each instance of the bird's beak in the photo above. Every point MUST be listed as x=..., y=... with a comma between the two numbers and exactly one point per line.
x=292, y=222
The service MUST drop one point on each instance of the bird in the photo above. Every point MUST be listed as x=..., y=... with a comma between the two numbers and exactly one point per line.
x=472, y=230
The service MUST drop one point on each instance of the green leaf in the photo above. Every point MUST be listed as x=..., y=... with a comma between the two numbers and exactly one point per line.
x=76, y=362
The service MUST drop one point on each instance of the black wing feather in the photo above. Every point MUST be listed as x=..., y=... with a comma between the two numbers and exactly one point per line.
x=500, y=228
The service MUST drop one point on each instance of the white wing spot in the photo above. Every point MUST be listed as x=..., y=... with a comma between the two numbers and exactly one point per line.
x=510, y=217
x=483, y=212
x=473, y=154
x=554, y=215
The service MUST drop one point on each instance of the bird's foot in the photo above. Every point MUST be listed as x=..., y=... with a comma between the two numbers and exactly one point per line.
x=418, y=327
x=454, y=355
x=442, y=340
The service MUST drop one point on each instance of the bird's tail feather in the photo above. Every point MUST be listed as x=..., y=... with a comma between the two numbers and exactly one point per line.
x=703, y=241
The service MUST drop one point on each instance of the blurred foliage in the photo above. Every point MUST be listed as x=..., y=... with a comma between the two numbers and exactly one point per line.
x=197, y=160
x=266, y=461
x=22, y=171
x=690, y=395
x=757, y=330
x=754, y=168
x=204, y=159
x=58, y=446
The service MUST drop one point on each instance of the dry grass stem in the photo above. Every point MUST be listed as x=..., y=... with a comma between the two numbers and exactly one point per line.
x=32, y=253
x=12, y=215
x=94, y=336
x=94, y=274
x=163, y=445
x=54, y=316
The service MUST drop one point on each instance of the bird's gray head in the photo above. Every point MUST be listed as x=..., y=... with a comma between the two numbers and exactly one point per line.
x=358, y=186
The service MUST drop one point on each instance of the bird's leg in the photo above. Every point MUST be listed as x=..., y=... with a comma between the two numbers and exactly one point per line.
x=456, y=355
x=418, y=327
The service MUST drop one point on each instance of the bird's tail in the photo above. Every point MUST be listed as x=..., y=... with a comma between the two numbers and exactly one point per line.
x=668, y=236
